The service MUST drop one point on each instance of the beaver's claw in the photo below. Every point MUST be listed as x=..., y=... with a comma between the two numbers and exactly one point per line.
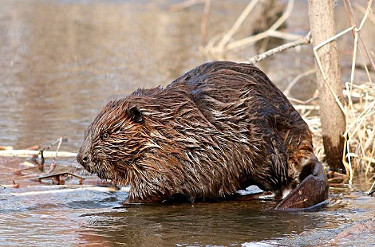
x=312, y=191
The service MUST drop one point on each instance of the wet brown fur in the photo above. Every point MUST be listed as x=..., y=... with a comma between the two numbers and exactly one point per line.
x=217, y=129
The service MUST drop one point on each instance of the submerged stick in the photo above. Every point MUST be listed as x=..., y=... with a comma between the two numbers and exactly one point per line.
x=60, y=177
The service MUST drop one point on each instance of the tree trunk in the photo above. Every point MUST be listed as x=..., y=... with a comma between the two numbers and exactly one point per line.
x=322, y=26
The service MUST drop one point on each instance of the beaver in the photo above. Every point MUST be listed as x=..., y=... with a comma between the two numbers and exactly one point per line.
x=213, y=131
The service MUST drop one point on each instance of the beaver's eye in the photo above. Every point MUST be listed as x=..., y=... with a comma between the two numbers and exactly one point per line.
x=105, y=135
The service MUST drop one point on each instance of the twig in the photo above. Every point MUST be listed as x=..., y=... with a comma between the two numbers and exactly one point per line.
x=236, y=25
x=271, y=32
x=363, y=10
x=59, y=140
x=206, y=12
x=328, y=85
x=365, y=113
x=60, y=177
x=302, y=102
x=260, y=36
x=321, y=68
x=303, y=41
x=27, y=153
x=372, y=189
x=284, y=16
x=333, y=38
x=53, y=165
x=185, y=4
x=349, y=167
x=353, y=69
x=59, y=174
x=14, y=185
x=296, y=79
x=211, y=43
x=360, y=27
x=356, y=35
x=306, y=107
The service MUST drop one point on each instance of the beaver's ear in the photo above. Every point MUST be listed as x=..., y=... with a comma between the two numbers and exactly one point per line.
x=135, y=115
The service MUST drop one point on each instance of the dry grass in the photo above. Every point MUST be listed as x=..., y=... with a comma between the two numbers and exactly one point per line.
x=360, y=130
x=359, y=107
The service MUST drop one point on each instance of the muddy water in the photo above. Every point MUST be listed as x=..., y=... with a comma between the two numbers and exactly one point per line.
x=60, y=61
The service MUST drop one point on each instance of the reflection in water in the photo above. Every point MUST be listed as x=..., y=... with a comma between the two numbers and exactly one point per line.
x=89, y=218
x=224, y=223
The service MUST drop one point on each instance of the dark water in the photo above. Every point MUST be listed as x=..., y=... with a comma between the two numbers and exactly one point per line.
x=60, y=61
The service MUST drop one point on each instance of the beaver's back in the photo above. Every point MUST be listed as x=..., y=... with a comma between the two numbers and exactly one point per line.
x=228, y=88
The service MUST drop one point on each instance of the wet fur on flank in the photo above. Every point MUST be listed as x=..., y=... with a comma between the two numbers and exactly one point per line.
x=217, y=129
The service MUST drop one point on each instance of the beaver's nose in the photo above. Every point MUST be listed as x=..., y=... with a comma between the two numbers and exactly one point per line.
x=82, y=158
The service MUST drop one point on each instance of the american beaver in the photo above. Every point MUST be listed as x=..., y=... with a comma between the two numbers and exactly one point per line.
x=218, y=128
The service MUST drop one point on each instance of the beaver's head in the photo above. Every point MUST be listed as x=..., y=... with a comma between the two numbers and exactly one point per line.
x=114, y=141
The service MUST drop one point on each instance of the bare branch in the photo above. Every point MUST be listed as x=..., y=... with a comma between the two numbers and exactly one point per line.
x=206, y=12
x=225, y=45
x=27, y=153
x=296, y=79
x=185, y=4
x=236, y=25
x=303, y=41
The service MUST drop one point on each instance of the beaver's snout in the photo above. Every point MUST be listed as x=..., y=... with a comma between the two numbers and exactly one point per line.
x=83, y=158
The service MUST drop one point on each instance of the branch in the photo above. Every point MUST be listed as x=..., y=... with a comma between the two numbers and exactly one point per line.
x=358, y=28
x=303, y=41
x=185, y=4
x=224, y=41
x=271, y=32
x=225, y=45
x=27, y=153
x=206, y=12
x=296, y=79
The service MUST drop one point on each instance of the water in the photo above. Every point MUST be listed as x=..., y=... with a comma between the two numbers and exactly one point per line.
x=29, y=216
x=60, y=61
